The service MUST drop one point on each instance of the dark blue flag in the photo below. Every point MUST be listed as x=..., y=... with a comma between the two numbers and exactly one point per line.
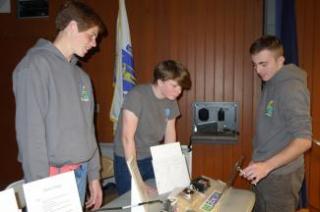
x=286, y=29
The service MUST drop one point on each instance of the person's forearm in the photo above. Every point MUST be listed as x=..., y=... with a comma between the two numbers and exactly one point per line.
x=95, y=198
x=296, y=148
x=170, y=139
x=128, y=133
x=129, y=148
x=170, y=135
x=94, y=167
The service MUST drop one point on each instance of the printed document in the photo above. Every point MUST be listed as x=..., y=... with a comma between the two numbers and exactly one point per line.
x=169, y=167
x=58, y=193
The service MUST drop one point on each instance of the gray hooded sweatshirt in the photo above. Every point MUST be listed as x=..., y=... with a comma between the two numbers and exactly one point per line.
x=54, y=113
x=283, y=115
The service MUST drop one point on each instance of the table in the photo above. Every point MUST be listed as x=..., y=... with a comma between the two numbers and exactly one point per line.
x=233, y=200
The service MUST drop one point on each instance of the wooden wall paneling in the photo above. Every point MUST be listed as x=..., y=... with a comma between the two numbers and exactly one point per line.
x=229, y=52
x=200, y=43
x=301, y=17
x=314, y=160
x=174, y=28
x=306, y=38
x=209, y=34
x=316, y=71
x=308, y=25
x=305, y=28
x=162, y=27
x=142, y=37
x=314, y=156
x=219, y=50
x=199, y=165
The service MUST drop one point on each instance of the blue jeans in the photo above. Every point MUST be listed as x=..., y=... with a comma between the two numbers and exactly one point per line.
x=123, y=177
x=81, y=174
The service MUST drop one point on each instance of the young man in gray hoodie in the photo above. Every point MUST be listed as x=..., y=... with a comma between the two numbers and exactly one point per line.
x=283, y=129
x=54, y=104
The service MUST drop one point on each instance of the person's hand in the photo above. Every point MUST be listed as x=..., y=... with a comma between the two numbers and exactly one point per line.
x=95, y=197
x=149, y=190
x=255, y=172
x=241, y=171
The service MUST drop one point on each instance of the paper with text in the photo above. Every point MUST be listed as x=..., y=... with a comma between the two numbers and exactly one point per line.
x=8, y=201
x=169, y=167
x=58, y=193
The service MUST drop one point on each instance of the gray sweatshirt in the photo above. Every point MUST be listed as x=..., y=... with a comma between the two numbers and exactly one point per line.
x=54, y=113
x=283, y=115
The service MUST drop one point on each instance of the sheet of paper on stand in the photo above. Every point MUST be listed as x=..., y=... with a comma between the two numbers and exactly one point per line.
x=169, y=167
x=8, y=201
x=138, y=195
x=58, y=193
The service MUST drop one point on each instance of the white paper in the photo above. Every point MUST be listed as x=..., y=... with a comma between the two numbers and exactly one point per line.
x=135, y=197
x=137, y=193
x=164, y=151
x=188, y=156
x=170, y=167
x=8, y=201
x=58, y=193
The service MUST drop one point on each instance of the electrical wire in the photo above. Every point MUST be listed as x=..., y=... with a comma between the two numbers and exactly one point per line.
x=129, y=206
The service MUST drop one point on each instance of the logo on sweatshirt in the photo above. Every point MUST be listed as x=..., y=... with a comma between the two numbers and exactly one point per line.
x=167, y=113
x=85, y=95
x=269, y=109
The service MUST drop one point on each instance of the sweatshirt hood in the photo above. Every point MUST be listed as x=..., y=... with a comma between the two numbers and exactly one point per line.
x=43, y=44
x=289, y=72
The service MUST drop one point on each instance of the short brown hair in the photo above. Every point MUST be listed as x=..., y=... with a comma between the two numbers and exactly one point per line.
x=172, y=70
x=267, y=42
x=79, y=12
